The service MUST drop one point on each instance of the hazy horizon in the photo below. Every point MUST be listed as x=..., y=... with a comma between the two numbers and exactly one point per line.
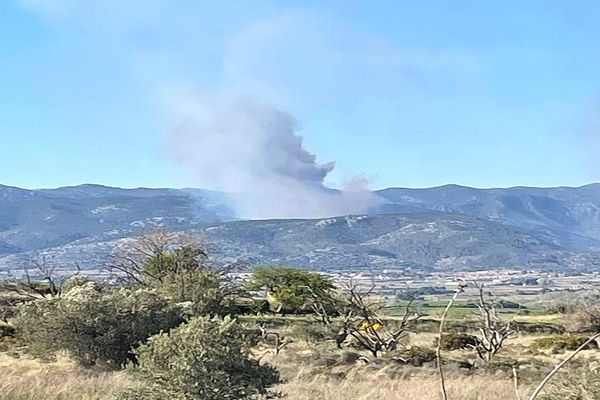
x=301, y=95
x=372, y=189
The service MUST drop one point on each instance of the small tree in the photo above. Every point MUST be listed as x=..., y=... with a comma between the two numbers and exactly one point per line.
x=178, y=267
x=292, y=290
x=363, y=321
x=94, y=325
x=205, y=359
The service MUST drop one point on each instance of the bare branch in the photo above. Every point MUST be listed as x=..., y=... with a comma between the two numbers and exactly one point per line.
x=438, y=352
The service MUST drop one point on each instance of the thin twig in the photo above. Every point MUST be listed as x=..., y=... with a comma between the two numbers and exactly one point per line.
x=515, y=374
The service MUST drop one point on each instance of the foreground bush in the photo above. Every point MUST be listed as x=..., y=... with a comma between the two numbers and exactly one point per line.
x=205, y=359
x=95, y=326
x=563, y=342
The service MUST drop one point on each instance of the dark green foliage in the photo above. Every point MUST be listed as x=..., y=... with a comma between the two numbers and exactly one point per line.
x=8, y=307
x=246, y=306
x=7, y=331
x=457, y=341
x=94, y=325
x=293, y=290
x=510, y=304
x=204, y=359
x=7, y=337
x=413, y=355
x=563, y=342
x=560, y=308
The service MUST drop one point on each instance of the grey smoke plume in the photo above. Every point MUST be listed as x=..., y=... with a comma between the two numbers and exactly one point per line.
x=242, y=145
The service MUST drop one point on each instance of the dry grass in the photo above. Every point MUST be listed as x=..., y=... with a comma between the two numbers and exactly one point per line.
x=27, y=379
x=306, y=376
x=362, y=385
x=383, y=381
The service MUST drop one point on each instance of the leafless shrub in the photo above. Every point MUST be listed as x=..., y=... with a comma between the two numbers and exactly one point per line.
x=493, y=331
x=42, y=285
x=363, y=321
x=46, y=286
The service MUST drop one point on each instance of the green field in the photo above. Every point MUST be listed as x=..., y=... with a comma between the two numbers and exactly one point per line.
x=460, y=310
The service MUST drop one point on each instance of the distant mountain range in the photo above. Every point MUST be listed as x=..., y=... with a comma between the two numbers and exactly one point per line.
x=422, y=229
x=568, y=217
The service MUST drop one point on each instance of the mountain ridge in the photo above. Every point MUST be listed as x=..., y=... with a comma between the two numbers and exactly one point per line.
x=564, y=220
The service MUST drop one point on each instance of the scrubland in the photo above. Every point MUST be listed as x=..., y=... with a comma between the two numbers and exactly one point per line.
x=181, y=329
x=315, y=369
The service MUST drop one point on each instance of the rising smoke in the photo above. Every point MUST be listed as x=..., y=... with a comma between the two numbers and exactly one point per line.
x=244, y=146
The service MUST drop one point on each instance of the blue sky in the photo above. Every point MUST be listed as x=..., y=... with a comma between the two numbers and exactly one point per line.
x=404, y=93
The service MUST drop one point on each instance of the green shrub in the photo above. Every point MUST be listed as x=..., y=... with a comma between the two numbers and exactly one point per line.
x=201, y=286
x=179, y=269
x=457, y=341
x=94, y=325
x=414, y=355
x=7, y=331
x=563, y=342
x=8, y=306
x=204, y=359
x=293, y=290
x=7, y=337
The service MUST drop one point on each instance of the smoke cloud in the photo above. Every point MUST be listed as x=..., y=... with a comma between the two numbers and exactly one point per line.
x=251, y=148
